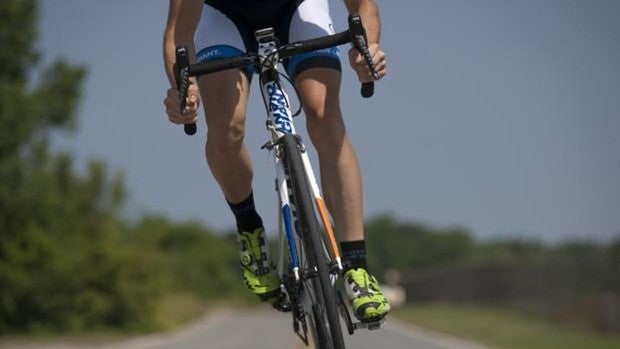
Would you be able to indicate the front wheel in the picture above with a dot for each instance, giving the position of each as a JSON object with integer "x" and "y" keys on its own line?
{"x": 324, "y": 308}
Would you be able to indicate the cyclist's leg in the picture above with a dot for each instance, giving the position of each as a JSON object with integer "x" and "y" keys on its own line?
{"x": 225, "y": 96}
{"x": 340, "y": 173}
{"x": 317, "y": 76}
{"x": 341, "y": 180}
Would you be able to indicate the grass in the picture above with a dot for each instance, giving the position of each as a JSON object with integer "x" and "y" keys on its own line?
{"x": 178, "y": 309}
{"x": 500, "y": 328}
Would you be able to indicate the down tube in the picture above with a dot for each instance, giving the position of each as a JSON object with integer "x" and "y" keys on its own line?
{"x": 287, "y": 217}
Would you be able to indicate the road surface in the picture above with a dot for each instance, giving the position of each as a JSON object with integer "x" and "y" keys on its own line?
{"x": 263, "y": 329}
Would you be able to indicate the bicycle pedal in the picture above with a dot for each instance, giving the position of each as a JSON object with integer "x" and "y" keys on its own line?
{"x": 284, "y": 307}
{"x": 370, "y": 325}
{"x": 282, "y": 304}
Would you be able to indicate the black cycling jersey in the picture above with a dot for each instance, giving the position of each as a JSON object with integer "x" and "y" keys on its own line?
{"x": 257, "y": 13}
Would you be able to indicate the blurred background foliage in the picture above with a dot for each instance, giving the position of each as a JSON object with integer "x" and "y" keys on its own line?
{"x": 575, "y": 282}
{"x": 70, "y": 262}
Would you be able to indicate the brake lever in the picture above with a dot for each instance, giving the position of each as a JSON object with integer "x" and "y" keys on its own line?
{"x": 181, "y": 74}
{"x": 359, "y": 40}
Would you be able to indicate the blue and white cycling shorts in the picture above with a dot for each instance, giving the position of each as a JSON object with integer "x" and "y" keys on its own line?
{"x": 227, "y": 27}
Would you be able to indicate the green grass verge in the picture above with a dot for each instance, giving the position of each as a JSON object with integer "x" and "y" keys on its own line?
{"x": 500, "y": 328}
{"x": 176, "y": 310}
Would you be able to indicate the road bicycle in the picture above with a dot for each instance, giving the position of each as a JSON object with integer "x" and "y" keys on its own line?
{"x": 309, "y": 259}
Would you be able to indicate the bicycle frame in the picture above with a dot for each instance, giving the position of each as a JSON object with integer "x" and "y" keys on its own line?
{"x": 280, "y": 122}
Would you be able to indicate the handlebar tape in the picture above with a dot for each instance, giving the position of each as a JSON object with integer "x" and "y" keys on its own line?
{"x": 181, "y": 74}
{"x": 360, "y": 42}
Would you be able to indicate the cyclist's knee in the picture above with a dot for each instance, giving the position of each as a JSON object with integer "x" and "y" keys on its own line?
{"x": 326, "y": 129}
{"x": 322, "y": 111}
{"x": 225, "y": 97}
{"x": 319, "y": 89}
{"x": 225, "y": 135}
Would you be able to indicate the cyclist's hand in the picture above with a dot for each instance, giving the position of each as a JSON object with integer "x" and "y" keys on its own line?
{"x": 358, "y": 63}
{"x": 171, "y": 102}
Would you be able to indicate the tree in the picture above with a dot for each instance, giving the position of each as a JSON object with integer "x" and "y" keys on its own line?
{"x": 60, "y": 262}
{"x": 68, "y": 261}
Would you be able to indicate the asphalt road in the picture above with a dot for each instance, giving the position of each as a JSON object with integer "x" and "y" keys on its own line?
{"x": 263, "y": 329}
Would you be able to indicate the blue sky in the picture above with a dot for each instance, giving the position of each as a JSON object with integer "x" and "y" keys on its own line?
{"x": 499, "y": 116}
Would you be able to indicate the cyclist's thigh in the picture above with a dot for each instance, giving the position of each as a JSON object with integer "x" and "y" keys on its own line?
{"x": 224, "y": 93}
{"x": 320, "y": 91}
{"x": 310, "y": 20}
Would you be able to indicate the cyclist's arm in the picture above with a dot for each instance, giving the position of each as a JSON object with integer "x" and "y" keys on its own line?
{"x": 184, "y": 29}
{"x": 169, "y": 43}
{"x": 180, "y": 32}
{"x": 368, "y": 10}
{"x": 183, "y": 17}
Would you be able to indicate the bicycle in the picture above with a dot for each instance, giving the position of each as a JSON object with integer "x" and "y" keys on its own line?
{"x": 314, "y": 262}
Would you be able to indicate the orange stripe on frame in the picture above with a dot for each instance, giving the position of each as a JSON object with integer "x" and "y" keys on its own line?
{"x": 320, "y": 204}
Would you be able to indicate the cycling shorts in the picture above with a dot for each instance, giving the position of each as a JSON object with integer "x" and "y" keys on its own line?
{"x": 227, "y": 27}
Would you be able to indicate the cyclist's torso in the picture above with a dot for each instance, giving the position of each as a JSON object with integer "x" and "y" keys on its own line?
{"x": 249, "y": 4}
{"x": 255, "y": 12}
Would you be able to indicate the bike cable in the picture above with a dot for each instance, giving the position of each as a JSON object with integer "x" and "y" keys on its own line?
{"x": 279, "y": 86}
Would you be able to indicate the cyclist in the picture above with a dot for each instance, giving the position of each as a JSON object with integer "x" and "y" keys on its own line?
{"x": 213, "y": 29}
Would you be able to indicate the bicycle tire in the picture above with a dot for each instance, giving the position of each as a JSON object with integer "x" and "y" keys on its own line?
{"x": 314, "y": 245}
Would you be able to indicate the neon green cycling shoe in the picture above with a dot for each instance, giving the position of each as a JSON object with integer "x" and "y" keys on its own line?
{"x": 259, "y": 273}
{"x": 365, "y": 295}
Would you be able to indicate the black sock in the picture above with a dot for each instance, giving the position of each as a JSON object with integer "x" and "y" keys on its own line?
{"x": 354, "y": 254}
{"x": 245, "y": 214}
